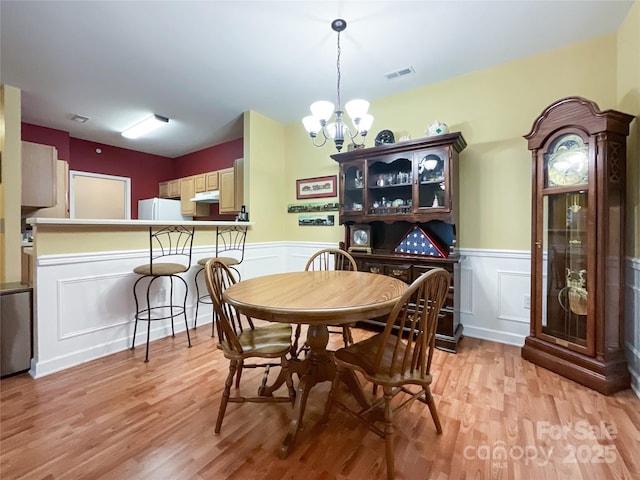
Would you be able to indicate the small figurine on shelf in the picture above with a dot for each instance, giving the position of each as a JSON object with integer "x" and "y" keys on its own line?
{"x": 435, "y": 201}
{"x": 436, "y": 128}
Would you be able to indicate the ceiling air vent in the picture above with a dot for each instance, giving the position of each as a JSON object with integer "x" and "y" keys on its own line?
{"x": 80, "y": 118}
{"x": 400, "y": 73}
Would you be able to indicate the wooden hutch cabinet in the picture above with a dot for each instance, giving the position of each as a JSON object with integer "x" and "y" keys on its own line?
{"x": 577, "y": 256}
{"x": 386, "y": 192}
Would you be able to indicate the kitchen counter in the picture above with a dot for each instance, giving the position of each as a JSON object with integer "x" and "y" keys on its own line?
{"x": 52, "y": 236}
{"x": 138, "y": 223}
{"x": 83, "y": 285}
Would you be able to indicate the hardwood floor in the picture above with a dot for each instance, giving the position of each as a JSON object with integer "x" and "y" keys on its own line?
{"x": 119, "y": 418}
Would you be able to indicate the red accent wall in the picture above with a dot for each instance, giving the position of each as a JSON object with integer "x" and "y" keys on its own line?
{"x": 144, "y": 170}
{"x": 209, "y": 159}
{"x": 47, "y": 136}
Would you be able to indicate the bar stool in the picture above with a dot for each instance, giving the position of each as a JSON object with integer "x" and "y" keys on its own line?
{"x": 169, "y": 256}
{"x": 230, "y": 243}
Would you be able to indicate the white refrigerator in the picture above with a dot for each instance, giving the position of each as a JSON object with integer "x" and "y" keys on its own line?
{"x": 160, "y": 209}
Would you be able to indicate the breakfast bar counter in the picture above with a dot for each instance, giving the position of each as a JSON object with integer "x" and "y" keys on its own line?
{"x": 82, "y": 285}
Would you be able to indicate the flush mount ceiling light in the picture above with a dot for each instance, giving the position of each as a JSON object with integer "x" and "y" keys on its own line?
{"x": 145, "y": 126}
{"x": 321, "y": 112}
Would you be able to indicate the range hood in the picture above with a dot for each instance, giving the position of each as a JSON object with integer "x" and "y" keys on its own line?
{"x": 207, "y": 197}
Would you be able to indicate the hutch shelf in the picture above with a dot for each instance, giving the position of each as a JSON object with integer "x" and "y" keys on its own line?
{"x": 389, "y": 190}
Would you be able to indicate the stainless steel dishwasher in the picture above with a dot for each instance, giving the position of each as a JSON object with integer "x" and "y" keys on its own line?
{"x": 15, "y": 328}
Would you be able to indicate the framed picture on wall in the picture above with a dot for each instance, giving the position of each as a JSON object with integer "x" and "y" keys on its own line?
{"x": 317, "y": 187}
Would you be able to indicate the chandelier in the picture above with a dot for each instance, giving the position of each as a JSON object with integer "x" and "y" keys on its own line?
{"x": 322, "y": 111}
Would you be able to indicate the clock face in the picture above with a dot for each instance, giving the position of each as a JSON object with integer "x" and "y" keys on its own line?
{"x": 360, "y": 237}
{"x": 568, "y": 162}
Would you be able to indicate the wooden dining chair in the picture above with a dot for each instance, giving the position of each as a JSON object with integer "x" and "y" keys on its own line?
{"x": 240, "y": 340}
{"x": 230, "y": 243}
{"x": 396, "y": 358}
{"x": 327, "y": 259}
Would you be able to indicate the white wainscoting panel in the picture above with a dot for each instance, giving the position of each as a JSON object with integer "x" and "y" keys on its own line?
{"x": 494, "y": 284}
{"x": 632, "y": 323}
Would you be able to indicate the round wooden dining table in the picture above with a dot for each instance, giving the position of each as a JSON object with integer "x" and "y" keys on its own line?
{"x": 317, "y": 299}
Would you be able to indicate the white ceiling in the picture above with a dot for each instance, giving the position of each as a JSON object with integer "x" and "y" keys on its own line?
{"x": 203, "y": 63}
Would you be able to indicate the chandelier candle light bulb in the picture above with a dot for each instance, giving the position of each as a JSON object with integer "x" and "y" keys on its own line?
{"x": 321, "y": 112}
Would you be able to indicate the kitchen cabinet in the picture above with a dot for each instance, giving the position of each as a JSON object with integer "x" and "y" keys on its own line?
{"x": 169, "y": 189}
{"x": 187, "y": 192}
{"x": 227, "y": 191}
{"x": 61, "y": 207}
{"x": 211, "y": 181}
{"x": 39, "y": 177}
{"x": 174, "y": 188}
{"x": 231, "y": 183}
{"x": 388, "y": 191}
{"x": 163, "y": 190}
{"x": 200, "y": 182}
{"x": 238, "y": 177}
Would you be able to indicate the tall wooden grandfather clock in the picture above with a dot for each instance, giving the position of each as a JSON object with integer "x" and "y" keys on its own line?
{"x": 577, "y": 256}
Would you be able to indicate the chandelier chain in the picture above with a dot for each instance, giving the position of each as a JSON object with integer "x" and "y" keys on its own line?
{"x": 338, "y": 68}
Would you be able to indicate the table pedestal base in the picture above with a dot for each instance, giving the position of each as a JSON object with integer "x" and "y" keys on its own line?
{"x": 316, "y": 368}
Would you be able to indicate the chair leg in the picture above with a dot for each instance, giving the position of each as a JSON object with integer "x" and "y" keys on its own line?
{"x": 225, "y": 394}
{"x": 135, "y": 324}
{"x": 239, "y": 374}
{"x": 346, "y": 336}
{"x": 173, "y": 333}
{"x": 388, "y": 432}
{"x": 432, "y": 408}
{"x": 146, "y": 355}
{"x": 184, "y": 309}
{"x": 195, "y": 278}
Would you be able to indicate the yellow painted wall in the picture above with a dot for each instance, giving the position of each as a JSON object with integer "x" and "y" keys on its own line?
{"x": 628, "y": 90}
{"x": 264, "y": 156}
{"x": 493, "y": 108}
{"x": 11, "y": 186}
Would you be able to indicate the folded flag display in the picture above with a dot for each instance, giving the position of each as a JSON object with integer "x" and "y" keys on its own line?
{"x": 418, "y": 242}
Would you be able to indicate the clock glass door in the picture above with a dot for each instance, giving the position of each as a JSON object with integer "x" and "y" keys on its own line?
{"x": 565, "y": 288}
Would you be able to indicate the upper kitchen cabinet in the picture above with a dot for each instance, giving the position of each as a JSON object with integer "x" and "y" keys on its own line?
{"x": 211, "y": 181}
{"x": 201, "y": 182}
{"x": 61, "y": 208}
{"x": 39, "y": 177}
{"x": 169, "y": 189}
{"x": 231, "y": 183}
{"x": 187, "y": 192}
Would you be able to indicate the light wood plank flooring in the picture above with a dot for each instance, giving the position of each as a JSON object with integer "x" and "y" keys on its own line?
{"x": 119, "y": 418}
